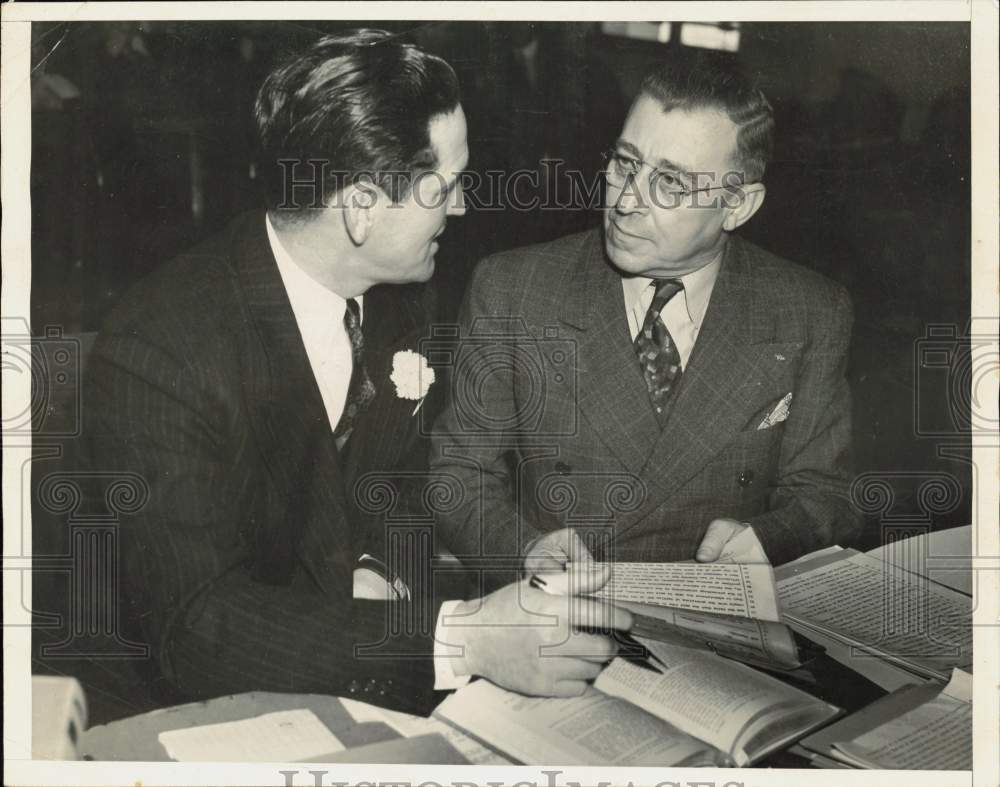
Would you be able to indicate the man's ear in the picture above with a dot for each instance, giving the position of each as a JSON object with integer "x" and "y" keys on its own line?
{"x": 742, "y": 203}
{"x": 363, "y": 203}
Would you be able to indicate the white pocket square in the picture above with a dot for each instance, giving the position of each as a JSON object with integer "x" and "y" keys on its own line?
{"x": 778, "y": 414}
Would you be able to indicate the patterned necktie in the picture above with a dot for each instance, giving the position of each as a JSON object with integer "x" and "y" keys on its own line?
{"x": 658, "y": 355}
{"x": 360, "y": 391}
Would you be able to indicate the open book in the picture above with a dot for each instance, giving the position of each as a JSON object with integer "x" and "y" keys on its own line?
{"x": 682, "y": 707}
{"x": 731, "y": 609}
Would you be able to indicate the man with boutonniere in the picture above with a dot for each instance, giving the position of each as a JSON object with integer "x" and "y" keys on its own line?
{"x": 256, "y": 381}
{"x": 673, "y": 391}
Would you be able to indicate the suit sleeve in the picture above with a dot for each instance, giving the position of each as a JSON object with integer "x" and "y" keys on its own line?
{"x": 809, "y": 506}
{"x": 214, "y": 626}
{"x": 473, "y": 440}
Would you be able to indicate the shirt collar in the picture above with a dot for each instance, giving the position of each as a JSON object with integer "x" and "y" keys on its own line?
{"x": 698, "y": 287}
{"x": 310, "y": 300}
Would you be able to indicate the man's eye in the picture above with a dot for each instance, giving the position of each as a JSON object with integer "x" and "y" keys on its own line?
{"x": 669, "y": 182}
{"x": 626, "y": 164}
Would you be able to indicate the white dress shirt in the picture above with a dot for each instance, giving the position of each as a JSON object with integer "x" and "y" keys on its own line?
{"x": 683, "y": 313}
{"x": 319, "y": 314}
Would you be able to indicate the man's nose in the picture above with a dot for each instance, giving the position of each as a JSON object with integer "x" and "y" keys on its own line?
{"x": 456, "y": 202}
{"x": 630, "y": 199}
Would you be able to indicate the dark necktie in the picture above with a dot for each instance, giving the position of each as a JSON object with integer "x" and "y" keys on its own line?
{"x": 658, "y": 355}
{"x": 360, "y": 391}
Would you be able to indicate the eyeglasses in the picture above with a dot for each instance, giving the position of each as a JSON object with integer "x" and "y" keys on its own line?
{"x": 666, "y": 186}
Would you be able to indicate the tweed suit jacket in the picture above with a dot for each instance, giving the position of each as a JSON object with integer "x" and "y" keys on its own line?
{"x": 239, "y": 568}
{"x": 549, "y": 423}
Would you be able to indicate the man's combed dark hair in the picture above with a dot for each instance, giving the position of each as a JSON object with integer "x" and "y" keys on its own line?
{"x": 358, "y": 104}
{"x": 712, "y": 80}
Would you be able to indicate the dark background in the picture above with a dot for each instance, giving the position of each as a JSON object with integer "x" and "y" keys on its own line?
{"x": 142, "y": 144}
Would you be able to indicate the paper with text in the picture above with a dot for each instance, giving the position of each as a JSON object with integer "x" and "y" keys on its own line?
{"x": 883, "y": 609}
{"x": 593, "y": 729}
{"x": 724, "y": 588}
{"x": 944, "y": 556}
{"x": 722, "y": 702}
{"x": 283, "y": 736}
{"x": 934, "y": 736}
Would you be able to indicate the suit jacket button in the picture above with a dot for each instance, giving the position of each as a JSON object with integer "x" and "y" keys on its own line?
{"x": 746, "y": 478}
{"x": 562, "y": 468}
{"x": 352, "y": 687}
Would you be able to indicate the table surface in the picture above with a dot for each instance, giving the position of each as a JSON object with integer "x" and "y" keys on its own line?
{"x": 136, "y": 738}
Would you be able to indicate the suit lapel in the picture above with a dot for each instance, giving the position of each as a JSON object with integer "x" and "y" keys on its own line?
{"x": 289, "y": 419}
{"x": 719, "y": 388}
{"x": 393, "y": 317}
{"x": 612, "y": 392}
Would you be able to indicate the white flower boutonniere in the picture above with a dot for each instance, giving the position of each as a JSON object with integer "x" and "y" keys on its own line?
{"x": 412, "y": 376}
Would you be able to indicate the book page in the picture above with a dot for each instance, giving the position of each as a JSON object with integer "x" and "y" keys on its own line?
{"x": 593, "y": 729}
{"x": 711, "y": 698}
{"x": 944, "y": 556}
{"x": 747, "y": 591}
{"x": 934, "y": 736}
{"x": 883, "y": 609}
{"x": 283, "y": 736}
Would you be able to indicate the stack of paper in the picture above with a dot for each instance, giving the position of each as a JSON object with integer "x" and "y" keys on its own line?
{"x": 879, "y": 614}
{"x": 918, "y": 727}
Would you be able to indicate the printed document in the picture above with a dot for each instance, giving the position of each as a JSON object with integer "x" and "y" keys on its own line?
{"x": 743, "y": 590}
{"x": 934, "y": 736}
{"x": 883, "y": 609}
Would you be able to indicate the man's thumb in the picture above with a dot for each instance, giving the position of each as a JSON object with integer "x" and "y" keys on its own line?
{"x": 588, "y": 577}
{"x": 715, "y": 539}
{"x": 576, "y": 550}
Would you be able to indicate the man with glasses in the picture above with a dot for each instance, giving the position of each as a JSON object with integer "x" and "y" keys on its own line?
{"x": 703, "y": 411}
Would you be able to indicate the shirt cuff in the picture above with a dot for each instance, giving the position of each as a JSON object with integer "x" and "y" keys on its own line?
{"x": 444, "y": 654}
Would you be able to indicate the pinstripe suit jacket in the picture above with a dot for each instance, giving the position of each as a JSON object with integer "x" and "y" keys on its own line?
{"x": 549, "y": 423}
{"x": 240, "y": 565}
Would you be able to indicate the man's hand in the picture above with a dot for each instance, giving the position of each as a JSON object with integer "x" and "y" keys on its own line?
{"x": 527, "y": 641}
{"x": 719, "y": 533}
{"x": 550, "y": 553}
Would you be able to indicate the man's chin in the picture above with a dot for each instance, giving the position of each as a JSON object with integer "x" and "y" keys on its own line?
{"x": 426, "y": 272}
{"x": 623, "y": 260}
